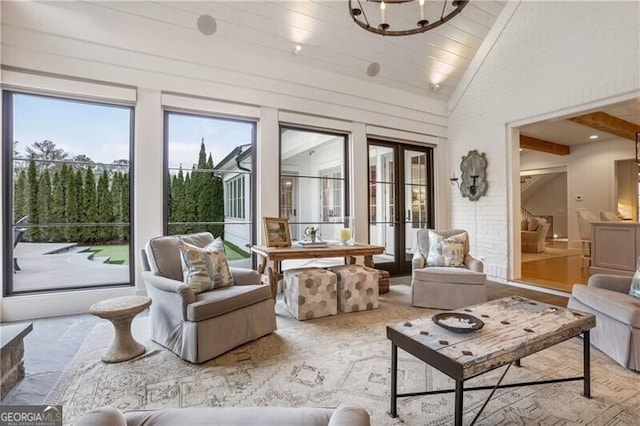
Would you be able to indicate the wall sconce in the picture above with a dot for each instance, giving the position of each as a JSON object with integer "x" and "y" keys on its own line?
{"x": 473, "y": 188}
{"x": 473, "y": 180}
{"x": 454, "y": 180}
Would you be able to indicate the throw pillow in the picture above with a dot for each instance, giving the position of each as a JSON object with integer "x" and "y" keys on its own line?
{"x": 196, "y": 268}
{"x": 205, "y": 268}
{"x": 635, "y": 282}
{"x": 219, "y": 262}
{"x": 533, "y": 224}
{"x": 524, "y": 225}
{"x": 446, "y": 251}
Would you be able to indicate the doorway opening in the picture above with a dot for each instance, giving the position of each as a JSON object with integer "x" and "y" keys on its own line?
{"x": 547, "y": 260}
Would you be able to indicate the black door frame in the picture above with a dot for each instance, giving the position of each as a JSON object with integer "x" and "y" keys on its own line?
{"x": 400, "y": 265}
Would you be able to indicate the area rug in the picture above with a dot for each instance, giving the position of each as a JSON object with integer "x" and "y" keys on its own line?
{"x": 344, "y": 359}
{"x": 550, "y": 253}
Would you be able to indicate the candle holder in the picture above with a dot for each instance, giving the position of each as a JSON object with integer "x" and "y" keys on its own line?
{"x": 345, "y": 228}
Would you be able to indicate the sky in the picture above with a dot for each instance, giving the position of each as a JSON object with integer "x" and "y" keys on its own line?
{"x": 102, "y": 132}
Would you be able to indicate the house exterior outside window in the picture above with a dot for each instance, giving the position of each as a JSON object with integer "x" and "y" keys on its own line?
{"x": 313, "y": 180}
{"x": 210, "y": 187}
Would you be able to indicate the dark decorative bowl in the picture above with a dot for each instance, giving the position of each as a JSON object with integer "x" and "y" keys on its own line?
{"x": 474, "y": 323}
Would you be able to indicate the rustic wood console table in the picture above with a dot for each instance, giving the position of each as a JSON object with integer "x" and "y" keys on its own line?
{"x": 270, "y": 257}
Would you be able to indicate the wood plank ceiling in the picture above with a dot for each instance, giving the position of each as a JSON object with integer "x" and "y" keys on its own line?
{"x": 331, "y": 41}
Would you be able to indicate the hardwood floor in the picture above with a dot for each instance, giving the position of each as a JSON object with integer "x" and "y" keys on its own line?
{"x": 497, "y": 291}
{"x": 559, "y": 273}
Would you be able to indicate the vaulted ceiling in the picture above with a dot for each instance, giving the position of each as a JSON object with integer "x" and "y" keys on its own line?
{"x": 332, "y": 42}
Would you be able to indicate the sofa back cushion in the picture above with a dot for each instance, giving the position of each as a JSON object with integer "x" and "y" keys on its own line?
{"x": 535, "y": 223}
{"x": 163, "y": 253}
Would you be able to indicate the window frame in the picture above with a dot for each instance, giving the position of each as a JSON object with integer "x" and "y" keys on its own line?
{"x": 166, "y": 113}
{"x": 8, "y": 289}
{"x": 346, "y": 196}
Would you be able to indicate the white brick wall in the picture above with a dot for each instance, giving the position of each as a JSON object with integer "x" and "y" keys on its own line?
{"x": 551, "y": 57}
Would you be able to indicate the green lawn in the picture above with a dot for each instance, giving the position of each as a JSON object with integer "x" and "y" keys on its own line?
{"x": 233, "y": 252}
{"x": 119, "y": 254}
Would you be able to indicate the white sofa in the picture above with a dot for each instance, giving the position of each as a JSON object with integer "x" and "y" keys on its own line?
{"x": 343, "y": 415}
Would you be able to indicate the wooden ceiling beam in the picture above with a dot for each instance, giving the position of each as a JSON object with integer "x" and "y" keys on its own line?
{"x": 608, "y": 123}
{"x": 544, "y": 146}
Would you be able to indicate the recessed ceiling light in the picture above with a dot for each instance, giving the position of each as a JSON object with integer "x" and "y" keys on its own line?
{"x": 592, "y": 137}
{"x": 297, "y": 49}
{"x": 435, "y": 87}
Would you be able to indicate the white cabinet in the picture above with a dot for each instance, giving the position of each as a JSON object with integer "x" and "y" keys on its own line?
{"x": 615, "y": 247}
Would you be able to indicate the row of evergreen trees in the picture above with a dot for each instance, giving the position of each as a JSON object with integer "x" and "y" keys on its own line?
{"x": 70, "y": 205}
{"x": 88, "y": 203}
{"x": 196, "y": 199}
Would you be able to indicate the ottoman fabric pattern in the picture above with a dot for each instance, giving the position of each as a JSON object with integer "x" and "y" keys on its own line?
{"x": 310, "y": 293}
{"x": 357, "y": 288}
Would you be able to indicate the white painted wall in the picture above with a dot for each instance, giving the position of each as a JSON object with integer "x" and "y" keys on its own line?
{"x": 551, "y": 58}
{"x": 85, "y": 42}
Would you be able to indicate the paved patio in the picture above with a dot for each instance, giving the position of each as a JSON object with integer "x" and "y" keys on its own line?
{"x": 45, "y": 266}
{"x": 59, "y": 266}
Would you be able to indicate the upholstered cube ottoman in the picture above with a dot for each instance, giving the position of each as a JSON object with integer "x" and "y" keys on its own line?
{"x": 357, "y": 288}
{"x": 310, "y": 293}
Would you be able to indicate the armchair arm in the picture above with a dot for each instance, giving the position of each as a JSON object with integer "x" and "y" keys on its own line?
{"x": 473, "y": 264}
{"x": 617, "y": 283}
{"x": 418, "y": 261}
{"x": 245, "y": 276}
{"x": 166, "y": 291}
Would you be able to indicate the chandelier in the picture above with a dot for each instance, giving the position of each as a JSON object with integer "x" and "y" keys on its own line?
{"x": 446, "y": 12}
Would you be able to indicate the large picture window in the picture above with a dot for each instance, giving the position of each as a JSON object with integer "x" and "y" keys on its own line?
{"x": 68, "y": 185}
{"x": 209, "y": 180}
{"x": 313, "y": 181}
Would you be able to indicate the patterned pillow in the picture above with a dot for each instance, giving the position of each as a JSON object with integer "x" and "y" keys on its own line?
{"x": 221, "y": 266}
{"x": 635, "y": 282}
{"x": 446, "y": 251}
{"x": 204, "y": 269}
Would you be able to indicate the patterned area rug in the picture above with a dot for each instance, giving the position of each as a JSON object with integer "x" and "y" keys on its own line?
{"x": 344, "y": 358}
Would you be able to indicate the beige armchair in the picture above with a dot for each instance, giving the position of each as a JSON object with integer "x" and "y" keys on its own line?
{"x": 532, "y": 239}
{"x": 617, "y": 331}
{"x": 446, "y": 287}
{"x": 198, "y": 327}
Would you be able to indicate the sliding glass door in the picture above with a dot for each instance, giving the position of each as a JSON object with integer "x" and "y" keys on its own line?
{"x": 400, "y": 200}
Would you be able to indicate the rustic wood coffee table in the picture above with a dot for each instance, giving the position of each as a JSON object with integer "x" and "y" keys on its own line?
{"x": 514, "y": 327}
